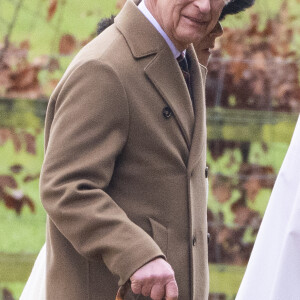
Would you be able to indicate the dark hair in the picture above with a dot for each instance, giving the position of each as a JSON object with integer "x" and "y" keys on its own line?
{"x": 235, "y": 6}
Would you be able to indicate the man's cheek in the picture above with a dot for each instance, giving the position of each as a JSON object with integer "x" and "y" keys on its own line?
{"x": 217, "y": 9}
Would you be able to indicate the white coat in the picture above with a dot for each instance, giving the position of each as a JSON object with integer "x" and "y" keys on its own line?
{"x": 273, "y": 271}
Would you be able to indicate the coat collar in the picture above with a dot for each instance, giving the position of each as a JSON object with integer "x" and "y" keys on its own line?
{"x": 165, "y": 74}
{"x": 198, "y": 80}
{"x": 142, "y": 38}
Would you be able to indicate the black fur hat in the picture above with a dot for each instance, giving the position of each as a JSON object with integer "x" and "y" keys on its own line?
{"x": 104, "y": 23}
{"x": 235, "y": 6}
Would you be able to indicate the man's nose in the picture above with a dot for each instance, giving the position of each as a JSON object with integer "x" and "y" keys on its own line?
{"x": 217, "y": 31}
{"x": 203, "y": 5}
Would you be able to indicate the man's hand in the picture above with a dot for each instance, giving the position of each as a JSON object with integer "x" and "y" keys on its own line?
{"x": 155, "y": 279}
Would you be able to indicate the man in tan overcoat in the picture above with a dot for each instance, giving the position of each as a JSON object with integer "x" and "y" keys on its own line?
{"x": 124, "y": 180}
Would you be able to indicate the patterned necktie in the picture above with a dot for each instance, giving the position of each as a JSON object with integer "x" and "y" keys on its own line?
{"x": 182, "y": 61}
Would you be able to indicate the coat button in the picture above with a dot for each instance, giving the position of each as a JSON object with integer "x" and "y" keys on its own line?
{"x": 206, "y": 172}
{"x": 167, "y": 112}
{"x": 194, "y": 241}
{"x": 208, "y": 238}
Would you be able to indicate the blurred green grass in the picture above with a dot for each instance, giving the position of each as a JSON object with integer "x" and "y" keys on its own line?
{"x": 225, "y": 279}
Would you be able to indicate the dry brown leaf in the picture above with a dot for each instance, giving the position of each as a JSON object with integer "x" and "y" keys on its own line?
{"x": 237, "y": 69}
{"x": 25, "y": 45}
{"x": 51, "y": 9}
{"x": 252, "y": 187}
{"x": 5, "y": 134}
{"x": 30, "y": 143}
{"x": 67, "y": 44}
{"x": 24, "y": 78}
{"x": 5, "y": 79}
{"x": 16, "y": 141}
{"x": 257, "y": 76}
{"x": 29, "y": 178}
{"x": 8, "y": 181}
{"x": 222, "y": 193}
{"x": 16, "y": 200}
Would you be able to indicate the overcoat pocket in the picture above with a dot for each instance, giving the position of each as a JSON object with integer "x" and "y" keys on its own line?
{"x": 160, "y": 235}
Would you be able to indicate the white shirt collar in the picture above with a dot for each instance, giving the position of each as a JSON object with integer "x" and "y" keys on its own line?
{"x": 142, "y": 7}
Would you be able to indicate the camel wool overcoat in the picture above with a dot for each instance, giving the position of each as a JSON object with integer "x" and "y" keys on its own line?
{"x": 123, "y": 179}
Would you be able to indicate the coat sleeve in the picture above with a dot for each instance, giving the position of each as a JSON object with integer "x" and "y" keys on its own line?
{"x": 86, "y": 129}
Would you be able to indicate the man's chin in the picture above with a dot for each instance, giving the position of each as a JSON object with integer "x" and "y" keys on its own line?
{"x": 190, "y": 36}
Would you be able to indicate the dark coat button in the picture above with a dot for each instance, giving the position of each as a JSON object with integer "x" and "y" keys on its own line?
{"x": 208, "y": 237}
{"x": 167, "y": 112}
{"x": 206, "y": 172}
{"x": 194, "y": 241}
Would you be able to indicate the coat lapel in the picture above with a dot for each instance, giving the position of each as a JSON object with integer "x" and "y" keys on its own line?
{"x": 199, "y": 134}
{"x": 166, "y": 76}
{"x": 162, "y": 70}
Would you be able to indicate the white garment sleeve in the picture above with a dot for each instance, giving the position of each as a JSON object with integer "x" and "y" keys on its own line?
{"x": 35, "y": 287}
{"x": 273, "y": 271}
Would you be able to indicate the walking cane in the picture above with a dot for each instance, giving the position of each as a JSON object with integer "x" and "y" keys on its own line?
{"x": 122, "y": 291}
